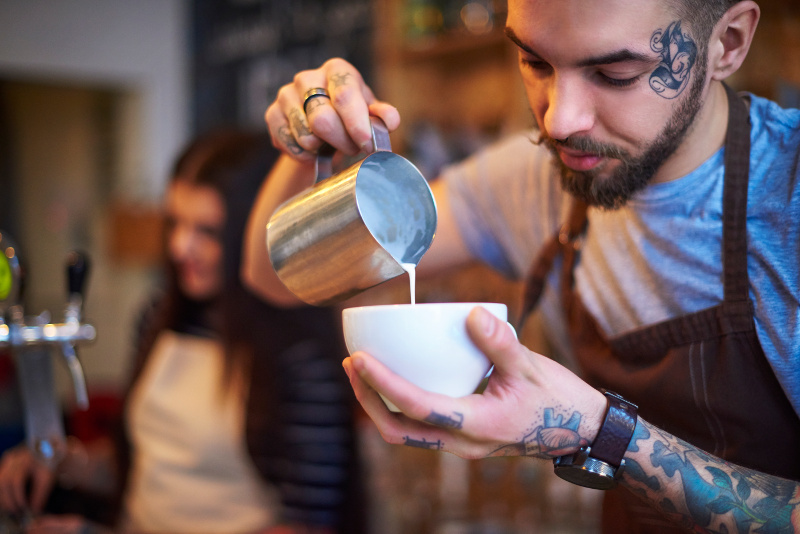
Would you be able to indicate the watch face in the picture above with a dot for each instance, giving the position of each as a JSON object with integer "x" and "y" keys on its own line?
{"x": 584, "y": 477}
{"x": 6, "y": 278}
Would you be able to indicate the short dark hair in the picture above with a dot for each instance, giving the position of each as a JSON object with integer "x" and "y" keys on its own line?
{"x": 701, "y": 16}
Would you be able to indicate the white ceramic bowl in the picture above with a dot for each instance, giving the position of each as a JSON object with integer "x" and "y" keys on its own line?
{"x": 427, "y": 344}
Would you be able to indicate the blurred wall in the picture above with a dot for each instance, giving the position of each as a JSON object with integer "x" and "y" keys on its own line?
{"x": 95, "y": 105}
{"x": 139, "y": 46}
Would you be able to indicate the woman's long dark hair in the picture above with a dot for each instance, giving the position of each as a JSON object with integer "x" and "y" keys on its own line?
{"x": 234, "y": 163}
{"x": 259, "y": 340}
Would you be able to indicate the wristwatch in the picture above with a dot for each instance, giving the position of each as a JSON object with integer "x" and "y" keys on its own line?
{"x": 600, "y": 465}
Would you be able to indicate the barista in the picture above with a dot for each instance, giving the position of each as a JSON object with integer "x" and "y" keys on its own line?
{"x": 666, "y": 239}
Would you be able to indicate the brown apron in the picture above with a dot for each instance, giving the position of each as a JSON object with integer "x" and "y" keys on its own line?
{"x": 702, "y": 377}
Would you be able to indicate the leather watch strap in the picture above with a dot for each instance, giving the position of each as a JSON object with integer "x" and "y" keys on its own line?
{"x": 616, "y": 431}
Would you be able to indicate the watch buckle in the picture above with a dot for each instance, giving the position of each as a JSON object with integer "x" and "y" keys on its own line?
{"x": 619, "y": 470}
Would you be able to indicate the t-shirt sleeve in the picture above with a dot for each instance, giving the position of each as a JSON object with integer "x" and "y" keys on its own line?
{"x": 505, "y": 202}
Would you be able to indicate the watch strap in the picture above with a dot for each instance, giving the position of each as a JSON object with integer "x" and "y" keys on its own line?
{"x": 616, "y": 431}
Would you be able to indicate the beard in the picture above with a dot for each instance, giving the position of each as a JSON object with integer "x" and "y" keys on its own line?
{"x": 634, "y": 172}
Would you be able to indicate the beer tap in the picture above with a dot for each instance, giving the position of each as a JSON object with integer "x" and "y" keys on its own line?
{"x": 32, "y": 340}
{"x": 77, "y": 269}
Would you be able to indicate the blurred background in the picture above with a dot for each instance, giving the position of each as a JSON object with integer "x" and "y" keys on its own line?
{"x": 98, "y": 96}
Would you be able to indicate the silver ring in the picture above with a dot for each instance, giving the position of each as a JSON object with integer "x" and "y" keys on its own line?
{"x": 313, "y": 93}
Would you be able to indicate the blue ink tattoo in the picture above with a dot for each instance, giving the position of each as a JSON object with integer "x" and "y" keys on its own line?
{"x": 726, "y": 493}
{"x": 632, "y": 468}
{"x": 554, "y": 438}
{"x": 446, "y": 421}
{"x": 678, "y": 55}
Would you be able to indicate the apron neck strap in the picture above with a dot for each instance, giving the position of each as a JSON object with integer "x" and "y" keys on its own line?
{"x": 734, "y": 232}
{"x": 734, "y": 199}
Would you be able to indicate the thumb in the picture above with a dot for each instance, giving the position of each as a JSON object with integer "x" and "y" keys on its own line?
{"x": 495, "y": 338}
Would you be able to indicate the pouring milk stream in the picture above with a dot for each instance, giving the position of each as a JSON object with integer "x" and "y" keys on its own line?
{"x": 411, "y": 269}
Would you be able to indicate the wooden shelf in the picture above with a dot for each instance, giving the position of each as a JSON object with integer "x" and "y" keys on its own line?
{"x": 443, "y": 47}
{"x": 454, "y": 81}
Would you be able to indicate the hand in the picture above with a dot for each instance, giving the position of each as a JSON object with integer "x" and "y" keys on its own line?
{"x": 341, "y": 120}
{"x": 64, "y": 524}
{"x": 532, "y": 406}
{"x": 17, "y": 467}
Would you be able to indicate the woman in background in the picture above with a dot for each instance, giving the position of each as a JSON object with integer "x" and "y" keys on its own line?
{"x": 238, "y": 418}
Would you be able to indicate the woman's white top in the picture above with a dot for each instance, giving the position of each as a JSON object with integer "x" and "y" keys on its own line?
{"x": 190, "y": 470}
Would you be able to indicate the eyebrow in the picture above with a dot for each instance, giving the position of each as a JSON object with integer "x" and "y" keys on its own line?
{"x": 617, "y": 56}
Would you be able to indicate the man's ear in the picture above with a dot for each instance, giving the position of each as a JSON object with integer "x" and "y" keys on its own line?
{"x": 731, "y": 38}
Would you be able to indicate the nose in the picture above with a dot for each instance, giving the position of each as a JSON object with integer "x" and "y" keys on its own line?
{"x": 568, "y": 108}
{"x": 180, "y": 242}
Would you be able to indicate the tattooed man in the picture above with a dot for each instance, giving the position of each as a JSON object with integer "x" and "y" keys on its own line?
{"x": 656, "y": 215}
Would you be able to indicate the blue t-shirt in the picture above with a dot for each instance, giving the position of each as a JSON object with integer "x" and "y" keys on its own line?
{"x": 659, "y": 256}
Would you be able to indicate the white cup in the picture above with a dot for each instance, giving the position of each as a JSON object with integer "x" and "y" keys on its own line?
{"x": 427, "y": 344}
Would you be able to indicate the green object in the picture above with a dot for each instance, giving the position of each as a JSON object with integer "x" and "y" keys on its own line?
{"x": 6, "y": 279}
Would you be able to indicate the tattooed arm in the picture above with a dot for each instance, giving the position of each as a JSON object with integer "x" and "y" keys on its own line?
{"x": 534, "y": 407}
{"x": 698, "y": 490}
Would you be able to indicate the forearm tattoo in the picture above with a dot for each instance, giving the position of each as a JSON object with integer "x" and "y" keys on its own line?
{"x": 554, "y": 437}
{"x": 717, "y": 496}
{"x": 678, "y": 55}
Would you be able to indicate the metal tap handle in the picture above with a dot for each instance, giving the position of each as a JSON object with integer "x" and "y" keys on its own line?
{"x": 380, "y": 141}
{"x": 78, "y": 378}
{"x": 77, "y": 271}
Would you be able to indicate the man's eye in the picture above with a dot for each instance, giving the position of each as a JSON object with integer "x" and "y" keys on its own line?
{"x": 535, "y": 64}
{"x": 616, "y": 82}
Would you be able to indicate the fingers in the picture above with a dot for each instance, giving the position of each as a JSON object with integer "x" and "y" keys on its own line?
{"x": 428, "y": 421}
{"x": 63, "y": 524}
{"x": 387, "y": 112}
{"x": 13, "y": 474}
{"x": 17, "y": 467}
{"x": 341, "y": 119}
{"x": 526, "y": 392}
{"x": 42, "y": 483}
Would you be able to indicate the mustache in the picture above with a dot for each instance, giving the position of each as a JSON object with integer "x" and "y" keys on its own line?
{"x": 582, "y": 144}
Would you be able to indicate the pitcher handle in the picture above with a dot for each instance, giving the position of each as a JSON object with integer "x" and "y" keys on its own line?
{"x": 380, "y": 142}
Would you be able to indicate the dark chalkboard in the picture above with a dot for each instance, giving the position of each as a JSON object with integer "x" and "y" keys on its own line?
{"x": 244, "y": 50}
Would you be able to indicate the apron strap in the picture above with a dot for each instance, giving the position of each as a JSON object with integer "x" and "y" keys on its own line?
{"x": 566, "y": 237}
{"x": 734, "y": 199}
{"x": 734, "y": 236}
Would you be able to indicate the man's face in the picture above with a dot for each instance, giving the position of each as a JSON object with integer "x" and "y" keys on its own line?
{"x": 614, "y": 86}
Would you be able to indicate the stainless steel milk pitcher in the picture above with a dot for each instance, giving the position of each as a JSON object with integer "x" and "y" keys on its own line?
{"x": 352, "y": 230}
